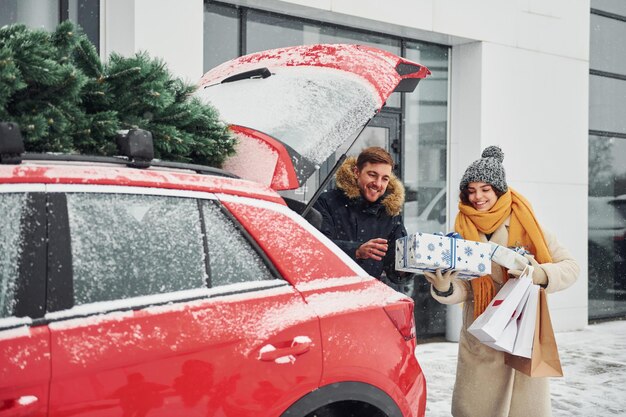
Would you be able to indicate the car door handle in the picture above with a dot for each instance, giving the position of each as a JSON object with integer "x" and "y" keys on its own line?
{"x": 298, "y": 346}
{"x": 18, "y": 407}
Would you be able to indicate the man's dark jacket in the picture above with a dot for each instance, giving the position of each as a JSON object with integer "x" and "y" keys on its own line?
{"x": 349, "y": 220}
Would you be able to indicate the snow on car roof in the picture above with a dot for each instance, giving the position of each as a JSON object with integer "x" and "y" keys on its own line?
{"x": 100, "y": 174}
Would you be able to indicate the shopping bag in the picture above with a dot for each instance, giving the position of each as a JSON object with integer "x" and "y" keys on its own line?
{"x": 544, "y": 360}
{"x": 491, "y": 323}
{"x": 506, "y": 341}
{"x": 526, "y": 324}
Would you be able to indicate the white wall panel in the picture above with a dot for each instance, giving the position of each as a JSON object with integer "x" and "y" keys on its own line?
{"x": 172, "y": 30}
{"x": 558, "y": 27}
{"x": 412, "y": 13}
{"x": 537, "y": 105}
{"x": 166, "y": 29}
{"x": 118, "y": 23}
{"x": 493, "y": 20}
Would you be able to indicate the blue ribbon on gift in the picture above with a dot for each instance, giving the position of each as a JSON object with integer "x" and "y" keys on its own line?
{"x": 405, "y": 254}
{"x": 452, "y": 236}
{"x": 519, "y": 249}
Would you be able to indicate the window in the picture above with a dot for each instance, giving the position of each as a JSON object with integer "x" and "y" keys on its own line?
{"x": 127, "y": 246}
{"x": 268, "y": 31}
{"x": 221, "y": 35}
{"x": 33, "y": 13}
{"x": 607, "y": 160}
{"x": 605, "y": 115}
{"x": 231, "y": 258}
{"x": 426, "y": 138}
{"x": 12, "y": 207}
{"x": 47, "y": 14}
{"x": 85, "y": 13}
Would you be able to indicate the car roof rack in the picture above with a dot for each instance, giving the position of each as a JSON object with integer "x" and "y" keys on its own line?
{"x": 135, "y": 146}
{"x": 11, "y": 143}
{"x": 122, "y": 160}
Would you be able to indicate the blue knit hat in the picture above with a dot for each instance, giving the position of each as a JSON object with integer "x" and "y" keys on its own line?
{"x": 487, "y": 169}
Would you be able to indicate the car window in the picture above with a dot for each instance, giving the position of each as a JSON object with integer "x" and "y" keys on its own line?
{"x": 11, "y": 206}
{"x": 132, "y": 245}
{"x": 231, "y": 258}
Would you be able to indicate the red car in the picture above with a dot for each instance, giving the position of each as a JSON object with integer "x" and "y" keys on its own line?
{"x": 134, "y": 287}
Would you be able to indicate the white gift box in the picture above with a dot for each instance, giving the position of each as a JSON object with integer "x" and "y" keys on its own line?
{"x": 508, "y": 258}
{"x": 420, "y": 252}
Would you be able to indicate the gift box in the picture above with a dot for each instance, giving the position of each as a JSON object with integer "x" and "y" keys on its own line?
{"x": 420, "y": 252}
{"x": 510, "y": 258}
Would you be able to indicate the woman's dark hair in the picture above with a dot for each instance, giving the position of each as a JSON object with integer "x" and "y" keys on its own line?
{"x": 464, "y": 194}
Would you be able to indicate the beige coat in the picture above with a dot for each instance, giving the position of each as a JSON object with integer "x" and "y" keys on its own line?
{"x": 485, "y": 386}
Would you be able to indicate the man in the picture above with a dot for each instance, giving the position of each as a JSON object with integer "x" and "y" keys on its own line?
{"x": 362, "y": 216}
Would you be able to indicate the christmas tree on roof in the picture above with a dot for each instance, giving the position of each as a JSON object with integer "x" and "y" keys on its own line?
{"x": 65, "y": 99}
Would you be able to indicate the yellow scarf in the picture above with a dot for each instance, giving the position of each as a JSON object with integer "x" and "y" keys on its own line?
{"x": 523, "y": 231}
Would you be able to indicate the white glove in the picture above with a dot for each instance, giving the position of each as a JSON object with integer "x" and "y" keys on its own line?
{"x": 539, "y": 275}
{"x": 441, "y": 282}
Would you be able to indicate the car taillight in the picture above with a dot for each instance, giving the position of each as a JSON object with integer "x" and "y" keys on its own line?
{"x": 401, "y": 315}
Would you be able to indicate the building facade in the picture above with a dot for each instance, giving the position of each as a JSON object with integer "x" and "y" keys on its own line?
{"x": 543, "y": 79}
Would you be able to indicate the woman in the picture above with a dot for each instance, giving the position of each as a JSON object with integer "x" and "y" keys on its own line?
{"x": 490, "y": 211}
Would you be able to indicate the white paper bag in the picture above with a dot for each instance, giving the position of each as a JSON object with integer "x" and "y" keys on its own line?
{"x": 508, "y": 338}
{"x": 526, "y": 324}
{"x": 491, "y": 323}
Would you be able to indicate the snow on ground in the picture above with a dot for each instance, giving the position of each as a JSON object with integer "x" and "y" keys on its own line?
{"x": 594, "y": 367}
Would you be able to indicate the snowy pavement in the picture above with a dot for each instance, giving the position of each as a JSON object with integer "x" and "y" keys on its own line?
{"x": 594, "y": 368}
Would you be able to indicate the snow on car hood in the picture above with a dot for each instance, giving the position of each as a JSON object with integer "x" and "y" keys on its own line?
{"x": 291, "y": 108}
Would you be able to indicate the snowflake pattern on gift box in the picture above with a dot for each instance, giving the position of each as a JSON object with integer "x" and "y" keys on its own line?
{"x": 468, "y": 251}
{"x": 431, "y": 247}
{"x": 481, "y": 267}
{"x": 446, "y": 256}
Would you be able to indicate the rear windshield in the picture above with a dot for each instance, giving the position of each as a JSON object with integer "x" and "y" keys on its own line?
{"x": 313, "y": 110}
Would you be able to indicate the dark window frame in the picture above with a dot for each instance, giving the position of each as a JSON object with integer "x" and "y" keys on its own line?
{"x": 30, "y": 293}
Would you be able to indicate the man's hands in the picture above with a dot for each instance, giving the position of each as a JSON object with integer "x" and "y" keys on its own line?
{"x": 440, "y": 281}
{"x": 539, "y": 275}
{"x": 374, "y": 249}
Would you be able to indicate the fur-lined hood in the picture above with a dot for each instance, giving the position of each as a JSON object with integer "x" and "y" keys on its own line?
{"x": 393, "y": 198}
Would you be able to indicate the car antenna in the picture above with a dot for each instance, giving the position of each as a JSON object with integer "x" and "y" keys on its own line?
{"x": 324, "y": 183}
